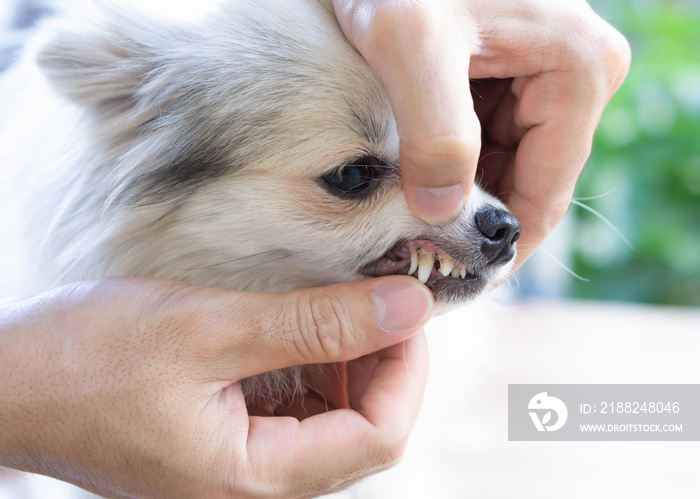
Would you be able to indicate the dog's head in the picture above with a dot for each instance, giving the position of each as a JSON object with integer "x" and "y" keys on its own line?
{"x": 254, "y": 150}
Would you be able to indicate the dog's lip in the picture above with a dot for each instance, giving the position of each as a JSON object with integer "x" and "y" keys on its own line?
{"x": 398, "y": 261}
{"x": 446, "y": 289}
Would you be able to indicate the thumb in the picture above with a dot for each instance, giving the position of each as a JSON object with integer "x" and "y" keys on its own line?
{"x": 330, "y": 324}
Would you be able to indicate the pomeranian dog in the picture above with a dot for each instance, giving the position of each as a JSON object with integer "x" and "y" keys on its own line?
{"x": 253, "y": 149}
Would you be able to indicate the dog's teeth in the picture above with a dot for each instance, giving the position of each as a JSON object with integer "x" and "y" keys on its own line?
{"x": 455, "y": 271}
{"x": 426, "y": 262}
{"x": 446, "y": 265}
{"x": 462, "y": 271}
{"x": 414, "y": 262}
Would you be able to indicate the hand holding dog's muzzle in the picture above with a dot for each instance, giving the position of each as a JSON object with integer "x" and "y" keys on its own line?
{"x": 131, "y": 387}
{"x": 540, "y": 74}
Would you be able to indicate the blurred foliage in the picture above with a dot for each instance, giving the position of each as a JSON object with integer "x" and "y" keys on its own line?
{"x": 647, "y": 159}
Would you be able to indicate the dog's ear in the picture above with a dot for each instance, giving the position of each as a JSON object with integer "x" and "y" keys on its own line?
{"x": 95, "y": 63}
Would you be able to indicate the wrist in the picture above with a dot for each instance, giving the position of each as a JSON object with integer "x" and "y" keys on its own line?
{"x": 12, "y": 329}
{"x": 22, "y": 369}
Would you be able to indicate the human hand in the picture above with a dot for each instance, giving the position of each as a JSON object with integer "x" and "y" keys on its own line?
{"x": 556, "y": 65}
{"x": 131, "y": 387}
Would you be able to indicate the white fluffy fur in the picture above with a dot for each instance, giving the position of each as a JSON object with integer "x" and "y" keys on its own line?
{"x": 266, "y": 95}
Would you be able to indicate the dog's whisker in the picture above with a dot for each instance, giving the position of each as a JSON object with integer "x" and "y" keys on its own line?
{"x": 481, "y": 178}
{"x": 562, "y": 265}
{"x": 513, "y": 280}
{"x": 492, "y": 153}
{"x": 599, "y": 196}
{"x": 514, "y": 283}
{"x": 605, "y": 221}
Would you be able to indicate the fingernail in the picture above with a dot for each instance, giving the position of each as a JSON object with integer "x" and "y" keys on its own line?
{"x": 439, "y": 205}
{"x": 401, "y": 304}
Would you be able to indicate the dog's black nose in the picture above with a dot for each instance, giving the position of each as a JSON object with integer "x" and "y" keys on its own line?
{"x": 501, "y": 230}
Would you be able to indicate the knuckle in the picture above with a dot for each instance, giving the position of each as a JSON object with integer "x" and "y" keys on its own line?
{"x": 390, "y": 444}
{"x": 377, "y": 458}
{"x": 565, "y": 45}
{"x": 606, "y": 47}
{"x": 447, "y": 145}
{"x": 558, "y": 210}
{"x": 447, "y": 153}
{"x": 389, "y": 18}
{"x": 618, "y": 51}
{"x": 393, "y": 456}
{"x": 386, "y": 456}
{"x": 324, "y": 327}
{"x": 588, "y": 48}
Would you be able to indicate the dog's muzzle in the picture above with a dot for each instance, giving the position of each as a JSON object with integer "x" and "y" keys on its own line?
{"x": 454, "y": 274}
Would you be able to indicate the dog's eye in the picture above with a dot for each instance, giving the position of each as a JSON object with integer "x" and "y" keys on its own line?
{"x": 355, "y": 178}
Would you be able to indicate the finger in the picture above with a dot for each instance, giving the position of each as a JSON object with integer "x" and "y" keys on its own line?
{"x": 337, "y": 447}
{"x": 561, "y": 90}
{"x": 322, "y": 325}
{"x": 561, "y": 120}
{"x": 421, "y": 55}
{"x": 397, "y": 370}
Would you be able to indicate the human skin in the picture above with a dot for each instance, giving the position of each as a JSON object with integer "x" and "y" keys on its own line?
{"x": 131, "y": 387}
{"x": 547, "y": 69}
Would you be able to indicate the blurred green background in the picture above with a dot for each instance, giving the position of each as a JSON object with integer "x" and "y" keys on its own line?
{"x": 646, "y": 164}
